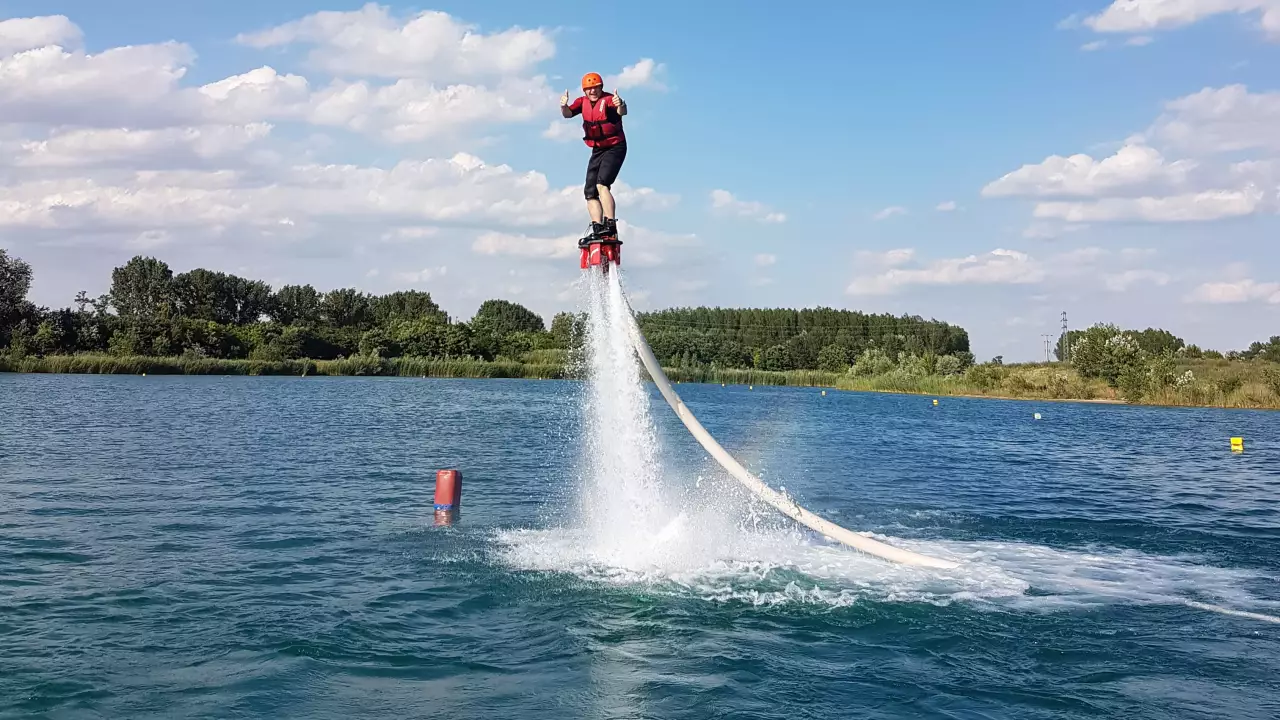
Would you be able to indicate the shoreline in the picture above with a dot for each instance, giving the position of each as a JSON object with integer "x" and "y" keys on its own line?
{"x": 935, "y": 386}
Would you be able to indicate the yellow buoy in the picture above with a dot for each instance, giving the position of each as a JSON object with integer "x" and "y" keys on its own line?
{"x": 1037, "y": 416}
{"x": 1237, "y": 444}
{"x": 824, "y": 393}
{"x": 935, "y": 402}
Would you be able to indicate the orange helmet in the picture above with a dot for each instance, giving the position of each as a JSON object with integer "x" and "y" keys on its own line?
{"x": 591, "y": 80}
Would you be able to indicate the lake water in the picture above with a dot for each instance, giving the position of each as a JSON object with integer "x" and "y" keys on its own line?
{"x": 207, "y": 547}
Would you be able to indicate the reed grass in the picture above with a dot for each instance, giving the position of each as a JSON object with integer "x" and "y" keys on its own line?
{"x": 1217, "y": 384}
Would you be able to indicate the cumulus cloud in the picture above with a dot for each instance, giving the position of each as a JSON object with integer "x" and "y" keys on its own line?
{"x": 1138, "y": 183}
{"x": 1217, "y": 120}
{"x": 888, "y": 258}
{"x": 1192, "y": 207}
{"x": 20, "y": 34}
{"x": 1000, "y": 266}
{"x": 643, "y": 247}
{"x": 644, "y": 73}
{"x": 1132, "y": 167}
{"x": 153, "y": 149}
{"x": 562, "y": 131}
{"x": 724, "y": 201}
{"x": 1239, "y": 291}
{"x": 1131, "y": 16}
{"x": 1120, "y": 282}
{"x": 134, "y": 86}
{"x": 428, "y": 45}
{"x": 889, "y": 212}
{"x": 885, "y": 273}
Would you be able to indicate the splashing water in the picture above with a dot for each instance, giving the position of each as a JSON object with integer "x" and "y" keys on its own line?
{"x": 622, "y": 503}
{"x": 636, "y": 525}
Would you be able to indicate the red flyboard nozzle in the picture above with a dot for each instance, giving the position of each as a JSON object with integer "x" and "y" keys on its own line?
{"x": 601, "y": 254}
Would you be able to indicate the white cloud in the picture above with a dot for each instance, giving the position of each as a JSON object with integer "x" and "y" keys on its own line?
{"x": 1225, "y": 119}
{"x": 563, "y": 131}
{"x": 1240, "y": 291}
{"x": 889, "y": 212}
{"x": 642, "y": 247}
{"x": 1139, "y": 40}
{"x": 1193, "y": 207}
{"x": 418, "y": 277}
{"x": 20, "y": 34}
{"x": 1134, "y": 166}
{"x": 724, "y": 201}
{"x": 999, "y": 266}
{"x": 428, "y": 45}
{"x": 1120, "y": 282}
{"x": 1050, "y": 231}
{"x": 888, "y": 258}
{"x": 133, "y": 86}
{"x": 947, "y": 206}
{"x": 1129, "y": 16}
{"x": 642, "y": 74}
{"x": 883, "y": 273}
{"x": 1093, "y": 46}
{"x": 161, "y": 148}
{"x": 521, "y": 245}
{"x": 461, "y": 189}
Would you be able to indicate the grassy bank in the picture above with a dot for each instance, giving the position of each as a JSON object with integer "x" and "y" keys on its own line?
{"x": 1212, "y": 383}
{"x": 394, "y": 367}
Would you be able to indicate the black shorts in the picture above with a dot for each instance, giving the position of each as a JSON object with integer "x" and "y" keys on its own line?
{"x": 603, "y": 167}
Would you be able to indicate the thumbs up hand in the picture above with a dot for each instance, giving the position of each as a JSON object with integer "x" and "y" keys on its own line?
{"x": 564, "y": 99}
{"x": 617, "y": 99}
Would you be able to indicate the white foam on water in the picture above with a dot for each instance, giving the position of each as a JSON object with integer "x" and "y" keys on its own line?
{"x": 639, "y": 523}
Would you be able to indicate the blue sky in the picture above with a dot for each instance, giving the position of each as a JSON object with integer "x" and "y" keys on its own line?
{"x": 855, "y": 122}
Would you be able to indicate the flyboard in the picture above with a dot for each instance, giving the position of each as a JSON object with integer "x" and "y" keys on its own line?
{"x": 602, "y": 254}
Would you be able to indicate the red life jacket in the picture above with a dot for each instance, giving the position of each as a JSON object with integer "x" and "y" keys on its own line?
{"x": 599, "y": 131}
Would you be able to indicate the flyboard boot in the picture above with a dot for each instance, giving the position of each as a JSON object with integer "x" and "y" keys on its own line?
{"x": 601, "y": 246}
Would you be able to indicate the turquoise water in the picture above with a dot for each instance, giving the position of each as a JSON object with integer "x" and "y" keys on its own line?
{"x": 175, "y": 547}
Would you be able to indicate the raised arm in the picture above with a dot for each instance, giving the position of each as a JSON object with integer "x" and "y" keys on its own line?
{"x": 568, "y": 109}
{"x": 618, "y": 103}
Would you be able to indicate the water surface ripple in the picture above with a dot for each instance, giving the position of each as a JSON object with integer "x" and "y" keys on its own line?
{"x": 207, "y": 547}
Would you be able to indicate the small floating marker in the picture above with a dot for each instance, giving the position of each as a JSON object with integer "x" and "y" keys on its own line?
{"x": 448, "y": 499}
{"x": 1037, "y": 416}
{"x": 1237, "y": 445}
{"x": 144, "y": 374}
{"x": 824, "y": 393}
{"x": 751, "y": 387}
{"x": 935, "y": 402}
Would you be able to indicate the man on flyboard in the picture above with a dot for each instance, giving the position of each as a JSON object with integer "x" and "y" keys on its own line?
{"x": 602, "y": 132}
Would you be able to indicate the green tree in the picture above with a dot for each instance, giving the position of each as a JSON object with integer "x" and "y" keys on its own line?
{"x": 503, "y": 317}
{"x": 142, "y": 290}
{"x": 407, "y": 305}
{"x": 296, "y": 304}
{"x": 1104, "y": 351}
{"x": 15, "y": 283}
{"x": 346, "y": 308}
{"x": 777, "y": 357}
{"x": 833, "y": 358}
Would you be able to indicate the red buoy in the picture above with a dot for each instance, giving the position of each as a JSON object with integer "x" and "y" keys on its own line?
{"x": 448, "y": 490}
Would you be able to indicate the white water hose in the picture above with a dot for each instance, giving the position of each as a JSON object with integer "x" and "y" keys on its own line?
{"x": 782, "y": 502}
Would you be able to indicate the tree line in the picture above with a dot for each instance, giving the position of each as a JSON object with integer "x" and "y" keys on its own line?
{"x": 151, "y": 311}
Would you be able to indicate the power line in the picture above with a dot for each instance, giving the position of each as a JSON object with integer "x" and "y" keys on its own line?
{"x": 1046, "y": 337}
